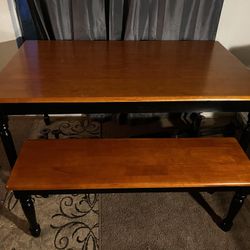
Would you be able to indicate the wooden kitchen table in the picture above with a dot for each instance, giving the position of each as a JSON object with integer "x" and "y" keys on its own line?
{"x": 120, "y": 76}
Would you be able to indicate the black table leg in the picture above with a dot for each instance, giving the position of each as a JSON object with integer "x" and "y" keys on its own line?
{"x": 7, "y": 140}
{"x": 29, "y": 211}
{"x": 234, "y": 208}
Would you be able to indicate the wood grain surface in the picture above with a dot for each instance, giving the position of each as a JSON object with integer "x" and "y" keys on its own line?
{"x": 123, "y": 71}
{"x": 130, "y": 163}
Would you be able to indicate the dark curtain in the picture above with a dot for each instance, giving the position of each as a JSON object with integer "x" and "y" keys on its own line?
{"x": 122, "y": 19}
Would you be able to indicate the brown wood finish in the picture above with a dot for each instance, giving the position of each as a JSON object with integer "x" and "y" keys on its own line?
{"x": 130, "y": 163}
{"x": 123, "y": 71}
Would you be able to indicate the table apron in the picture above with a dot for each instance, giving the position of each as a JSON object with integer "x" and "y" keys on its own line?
{"x": 246, "y": 189}
{"x": 126, "y": 107}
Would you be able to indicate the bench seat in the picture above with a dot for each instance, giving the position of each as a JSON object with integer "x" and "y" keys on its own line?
{"x": 75, "y": 165}
{"x": 72, "y": 164}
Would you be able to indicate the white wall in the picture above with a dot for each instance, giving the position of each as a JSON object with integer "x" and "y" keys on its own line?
{"x": 234, "y": 28}
{"x": 7, "y": 31}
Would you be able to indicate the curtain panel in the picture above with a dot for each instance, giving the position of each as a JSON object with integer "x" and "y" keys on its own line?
{"x": 120, "y": 19}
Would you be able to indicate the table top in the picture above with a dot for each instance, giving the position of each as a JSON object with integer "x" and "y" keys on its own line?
{"x": 123, "y": 71}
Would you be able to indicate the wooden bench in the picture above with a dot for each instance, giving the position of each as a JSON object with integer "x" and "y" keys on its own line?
{"x": 109, "y": 165}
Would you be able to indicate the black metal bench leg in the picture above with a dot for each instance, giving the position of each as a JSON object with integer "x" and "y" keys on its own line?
{"x": 235, "y": 206}
{"x": 29, "y": 211}
{"x": 7, "y": 140}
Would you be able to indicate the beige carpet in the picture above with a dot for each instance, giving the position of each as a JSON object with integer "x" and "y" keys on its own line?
{"x": 169, "y": 221}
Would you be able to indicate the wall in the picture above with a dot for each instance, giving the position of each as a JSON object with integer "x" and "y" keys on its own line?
{"x": 234, "y": 28}
{"x": 9, "y": 30}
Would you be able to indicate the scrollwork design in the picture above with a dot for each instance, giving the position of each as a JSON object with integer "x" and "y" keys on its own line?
{"x": 77, "y": 129}
{"x": 71, "y": 216}
{"x": 44, "y": 133}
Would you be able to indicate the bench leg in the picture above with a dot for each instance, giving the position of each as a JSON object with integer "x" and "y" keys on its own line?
{"x": 29, "y": 211}
{"x": 234, "y": 208}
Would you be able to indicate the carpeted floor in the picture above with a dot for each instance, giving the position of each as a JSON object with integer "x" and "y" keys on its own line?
{"x": 169, "y": 221}
{"x": 140, "y": 221}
